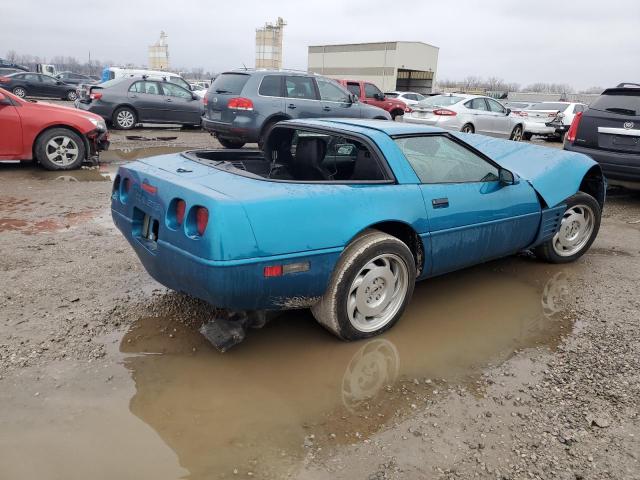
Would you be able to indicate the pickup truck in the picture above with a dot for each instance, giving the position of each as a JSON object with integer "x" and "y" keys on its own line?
{"x": 344, "y": 215}
{"x": 368, "y": 93}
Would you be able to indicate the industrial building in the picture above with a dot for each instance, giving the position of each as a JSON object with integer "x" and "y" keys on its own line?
{"x": 389, "y": 65}
{"x": 269, "y": 45}
{"x": 159, "y": 54}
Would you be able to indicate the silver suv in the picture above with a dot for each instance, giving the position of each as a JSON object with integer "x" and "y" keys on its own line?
{"x": 243, "y": 105}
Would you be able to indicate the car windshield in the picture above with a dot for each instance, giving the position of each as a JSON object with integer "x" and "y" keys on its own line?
{"x": 230, "y": 83}
{"x": 440, "y": 101}
{"x": 549, "y": 106}
{"x": 623, "y": 103}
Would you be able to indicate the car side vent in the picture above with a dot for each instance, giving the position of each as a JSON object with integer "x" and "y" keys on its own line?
{"x": 239, "y": 165}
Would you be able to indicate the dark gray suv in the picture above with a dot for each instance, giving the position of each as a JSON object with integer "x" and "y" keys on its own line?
{"x": 243, "y": 105}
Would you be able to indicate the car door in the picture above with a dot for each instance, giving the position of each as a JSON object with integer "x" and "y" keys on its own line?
{"x": 373, "y": 95}
{"x": 335, "y": 100}
{"x": 180, "y": 106}
{"x": 11, "y": 128}
{"x": 51, "y": 88}
{"x": 303, "y": 100}
{"x": 33, "y": 85}
{"x": 480, "y": 116}
{"x": 146, "y": 97}
{"x": 501, "y": 123}
{"x": 472, "y": 216}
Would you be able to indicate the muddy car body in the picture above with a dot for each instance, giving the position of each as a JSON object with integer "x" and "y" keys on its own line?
{"x": 344, "y": 215}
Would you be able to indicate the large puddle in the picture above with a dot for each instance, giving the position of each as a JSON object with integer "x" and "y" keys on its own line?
{"x": 173, "y": 407}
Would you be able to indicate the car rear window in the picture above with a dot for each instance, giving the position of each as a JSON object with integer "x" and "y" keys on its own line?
{"x": 549, "y": 106}
{"x": 391, "y": 95}
{"x": 271, "y": 86}
{"x": 231, "y": 83}
{"x": 623, "y": 103}
{"x": 440, "y": 101}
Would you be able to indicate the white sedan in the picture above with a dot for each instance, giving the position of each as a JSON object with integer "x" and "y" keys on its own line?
{"x": 409, "y": 98}
{"x": 549, "y": 119}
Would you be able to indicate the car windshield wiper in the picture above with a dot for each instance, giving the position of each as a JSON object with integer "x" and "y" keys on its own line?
{"x": 623, "y": 111}
{"x": 222, "y": 91}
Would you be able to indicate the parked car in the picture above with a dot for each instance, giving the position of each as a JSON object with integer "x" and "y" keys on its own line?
{"x": 242, "y": 106}
{"x": 549, "y": 119}
{"x": 368, "y": 93}
{"x": 252, "y": 230}
{"x": 111, "y": 73}
{"x": 4, "y": 71}
{"x": 408, "y": 98}
{"x": 467, "y": 113}
{"x": 59, "y": 138}
{"x": 27, "y": 84}
{"x": 126, "y": 102}
{"x": 74, "y": 78}
{"x": 609, "y": 132}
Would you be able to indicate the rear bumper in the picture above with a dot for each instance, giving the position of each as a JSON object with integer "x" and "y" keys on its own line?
{"x": 619, "y": 168}
{"x": 560, "y": 128}
{"x": 233, "y": 284}
{"x": 244, "y": 130}
{"x": 103, "y": 110}
{"x": 539, "y": 128}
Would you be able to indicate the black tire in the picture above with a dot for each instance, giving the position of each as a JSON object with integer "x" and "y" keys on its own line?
{"x": 527, "y": 136}
{"x": 72, "y": 96}
{"x": 549, "y": 250}
{"x": 227, "y": 143}
{"x": 468, "y": 128}
{"x": 124, "y": 118}
{"x": 517, "y": 134}
{"x": 44, "y": 150}
{"x": 332, "y": 309}
{"x": 19, "y": 92}
{"x": 396, "y": 113}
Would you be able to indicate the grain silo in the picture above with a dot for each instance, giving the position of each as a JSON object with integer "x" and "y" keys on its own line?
{"x": 269, "y": 45}
{"x": 159, "y": 54}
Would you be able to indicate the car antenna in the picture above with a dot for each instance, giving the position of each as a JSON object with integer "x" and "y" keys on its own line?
{"x": 245, "y": 67}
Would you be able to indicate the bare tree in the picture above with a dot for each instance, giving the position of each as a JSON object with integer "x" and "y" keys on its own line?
{"x": 12, "y": 56}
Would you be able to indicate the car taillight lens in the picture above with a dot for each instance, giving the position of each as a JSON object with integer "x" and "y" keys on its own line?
{"x": 202, "y": 218}
{"x": 444, "y": 111}
{"x": 573, "y": 129}
{"x": 407, "y": 109}
{"x": 95, "y": 96}
{"x": 181, "y": 206}
{"x": 240, "y": 103}
{"x": 4, "y": 80}
{"x": 205, "y": 100}
{"x": 273, "y": 271}
{"x": 523, "y": 114}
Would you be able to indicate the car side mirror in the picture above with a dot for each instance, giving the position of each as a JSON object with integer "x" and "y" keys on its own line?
{"x": 379, "y": 96}
{"x": 194, "y": 97}
{"x": 508, "y": 112}
{"x": 508, "y": 178}
{"x": 58, "y": 82}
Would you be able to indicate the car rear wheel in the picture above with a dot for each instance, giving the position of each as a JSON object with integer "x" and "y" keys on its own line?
{"x": 527, "y": 136}
{"x": 369, "y": 288}
{"x": 226, "y": 143}
{"x": 19, "y": 92}
{"x": 60, "y": 149}
{"x": 396, "y": 113}
{"x": 578, "y": 229}
{"x": 468, "y": 128}
{"x": 516, "y": 135}
{"x": 72, "y": 95}
{"x": 124, "y": 118}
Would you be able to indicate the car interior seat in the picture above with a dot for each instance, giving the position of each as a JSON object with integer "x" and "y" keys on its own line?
{"x": 307, "y": 164}
{"x": 366, "y": 167}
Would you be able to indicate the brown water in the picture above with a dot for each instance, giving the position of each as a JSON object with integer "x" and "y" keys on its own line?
{"x": 170, "y": 406}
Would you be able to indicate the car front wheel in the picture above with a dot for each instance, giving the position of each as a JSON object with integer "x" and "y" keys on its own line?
{"x": 60, "y": 149}
{"x": 578, "y": 229}
{"x": 369, "y": 288}
{"x": 72, "y": 95}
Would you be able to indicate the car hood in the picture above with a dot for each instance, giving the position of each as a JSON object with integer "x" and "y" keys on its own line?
{"x": 554, "y": 173}
{"x": 68, "y": 110}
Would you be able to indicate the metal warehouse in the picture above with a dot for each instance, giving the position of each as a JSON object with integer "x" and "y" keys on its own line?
{"x": 390, "y": 65}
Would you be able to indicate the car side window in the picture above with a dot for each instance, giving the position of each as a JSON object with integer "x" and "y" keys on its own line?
{"x": 438, "y": 159}
{"x": 476, "y": 104}
{"x": 495, "y": 106}
{"x": 331, "y": 92}
{"x": 370, "y": 90}
{"x": 151, "y": 88}
{"x": 354, "y": 88}
{"x": 301, "y": 87}
{"x": 172, "y": 90}
{"x": 420, "y": 97}
{"x": 137, "y": 87}
{"x": 271, "y": 86}
{"x": 48, "y": 80}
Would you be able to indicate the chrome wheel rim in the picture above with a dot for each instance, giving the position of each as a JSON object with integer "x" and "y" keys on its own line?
{"x": 467, "y": 129}
{"x": 125, "y": 119}
{"x": 72, "y": 96}
{"x": 62, "y": 151}
{"x": 517, "y": 134}
{"x": 575, "y": 230}
{"x": 19, "y": 92}
{"x": 377, "y": 292}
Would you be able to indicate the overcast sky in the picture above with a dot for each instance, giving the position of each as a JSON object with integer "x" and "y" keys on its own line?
{"x": 581, "y": 42}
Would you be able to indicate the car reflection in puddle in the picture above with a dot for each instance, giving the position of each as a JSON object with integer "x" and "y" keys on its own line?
{"x": 291, "y": 387}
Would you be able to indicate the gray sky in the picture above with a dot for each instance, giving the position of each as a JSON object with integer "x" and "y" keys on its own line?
{"x": 581, "y": 42}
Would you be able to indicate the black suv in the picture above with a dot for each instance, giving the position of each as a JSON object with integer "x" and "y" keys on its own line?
{"x": 243, "y": 105}
{"x": 609, "y": 132}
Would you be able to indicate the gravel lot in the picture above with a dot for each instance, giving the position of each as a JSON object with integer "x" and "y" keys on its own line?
{"x": 75, "y": 301}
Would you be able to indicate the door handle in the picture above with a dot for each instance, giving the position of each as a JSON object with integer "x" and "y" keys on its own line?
{"x": 134, "y": 96}
{"x": 291, "y": 106}
{"x": 326, "y": 109}
{"x": 169, "y": 100}
{"x": 440, "y": 202}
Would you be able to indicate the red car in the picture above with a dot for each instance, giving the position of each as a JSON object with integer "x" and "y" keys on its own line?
{"x": 58, "y": 137}
{"x": 368, "y": 93}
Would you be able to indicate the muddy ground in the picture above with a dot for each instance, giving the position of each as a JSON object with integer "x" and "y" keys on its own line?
{"x": 510, "y": 370}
